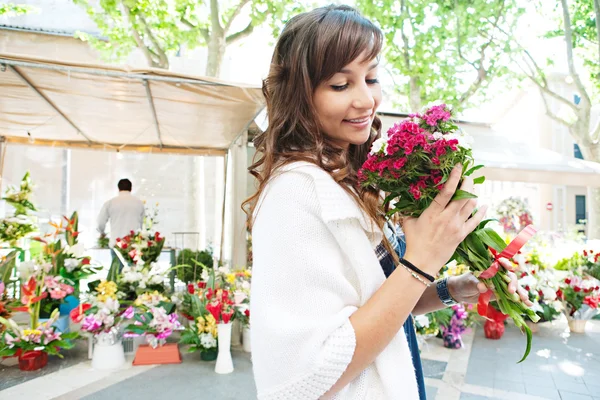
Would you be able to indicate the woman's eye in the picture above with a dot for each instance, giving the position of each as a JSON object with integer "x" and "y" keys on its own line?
{"x": 339, "y": 88}
{"x": 372, "y": 81}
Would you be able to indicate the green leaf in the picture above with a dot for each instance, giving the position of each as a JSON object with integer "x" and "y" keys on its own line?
{"x": 490, "y": 238}
{"x": 470, "y": 171}
{"x": 528, "y": 347}
{"x": 461, "y": 194}
{"x": 479, "y": 180}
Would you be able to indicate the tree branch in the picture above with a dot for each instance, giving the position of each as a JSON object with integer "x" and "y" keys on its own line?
{"x": 549, "y": 113}
{"x": 233, "y": 16}
{"x": 569, "y": 43}
{"x": 234, "y": 37}
{"x": 148, "y": 54}
{"x": 203, "y": 31}
{"x": 405, "y": 51}
{"x": 164, "y": 60}
{"x": 215, "y": 18}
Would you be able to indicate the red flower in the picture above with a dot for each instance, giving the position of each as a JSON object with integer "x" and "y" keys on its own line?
{"x": 541, "y": 294}
{"x": 209, "y": 293}
{"x": 585, "y": 253}
{"x": 560, "y": 294}
{"x": 527, "y": 288}
{"x": 247, "y": 312}
{"x": 201, "y": 285}
{"x": 85, "y": 261}
{"x": 78, "y": 313}
{"x": 215, "y": 309}
{"x": 28, "y": 293}
{"x": 592, "y": 301}
{"x": 227, "y": 316}
{"x": 577, "y": 289}
{"x": 568, "y": 281}
{"x": 190, "y": 288}
{"x": 523, "y": 275}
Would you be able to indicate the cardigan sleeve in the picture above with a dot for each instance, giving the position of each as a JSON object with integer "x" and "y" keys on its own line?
{"x": 303, "y": 293}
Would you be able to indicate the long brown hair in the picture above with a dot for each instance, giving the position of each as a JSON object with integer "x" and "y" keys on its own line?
{"x": 312, "y": 48}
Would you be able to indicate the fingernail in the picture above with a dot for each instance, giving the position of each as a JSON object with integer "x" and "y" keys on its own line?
{"x": 458, "y": 166}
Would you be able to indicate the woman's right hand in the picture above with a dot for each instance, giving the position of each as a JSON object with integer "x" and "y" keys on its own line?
{"x": 432, "y": 238}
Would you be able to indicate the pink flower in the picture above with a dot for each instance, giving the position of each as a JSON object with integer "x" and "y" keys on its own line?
{"x": 128, "y": 314}
{"x": 90, "y": 324}
{"x": 414, "y": 190}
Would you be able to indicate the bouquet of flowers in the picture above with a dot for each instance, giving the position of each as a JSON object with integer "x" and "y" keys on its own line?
{"x": 67, "y": 255}
{"x": 140, "y": 278}
{"x": 411, "y": 163}
{"x": 580, "y": 296}
{"x": 4, "y": 312}
{"x": 453, "y": 331}
{"x": 541, "y": 286}
{"x": 201, "y": 334}
{"x": 17, "y": 340}
{"x": 50, "y": 289}
{"x": 140, "y": 246}
{"x": 156, "y": 323}
{"x": 21, "y": 224}
{"x": 514, "y": 214}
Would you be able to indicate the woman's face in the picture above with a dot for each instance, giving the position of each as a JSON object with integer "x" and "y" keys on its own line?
{"x": 346, "y": 103}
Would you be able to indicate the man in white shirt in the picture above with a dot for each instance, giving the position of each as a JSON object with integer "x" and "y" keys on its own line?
{"x": 125, "y": 212}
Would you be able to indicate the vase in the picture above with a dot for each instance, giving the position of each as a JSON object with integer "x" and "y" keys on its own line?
{"x": 224, "y": 362}
{"x": 108, "y": 351}
{"x": 533, "y": 326}
{"x": 32, "y": 360}
{"x": 246, "y": 339}
{"x": 577, "y": 325}
{"x": 209, "y": 354}
{"x": 493, "y": 330}
{"x": 453, "y": 342}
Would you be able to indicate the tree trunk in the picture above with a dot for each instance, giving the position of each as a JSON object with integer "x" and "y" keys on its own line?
{"x": 216, "y": 51}
{"x": 414, "y": 95}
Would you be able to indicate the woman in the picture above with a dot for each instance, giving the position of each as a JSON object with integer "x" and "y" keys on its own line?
{"x": 325, "y": 320}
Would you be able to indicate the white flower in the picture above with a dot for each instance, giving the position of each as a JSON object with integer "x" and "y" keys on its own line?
{"x": 465, "y": 141}
{"x": 549, "y": 294}
{"x": 207, "y": 340}
{"x": 27, "y": 268}
{"x": 536, "y": 307}
{"x": 380, "y": 144}
{"x": 528, "y": 280}
{"x": 422, "y": 320}
{"x": 71, "y": 264}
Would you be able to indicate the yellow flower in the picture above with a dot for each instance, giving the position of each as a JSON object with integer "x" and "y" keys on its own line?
{"x": 200, "y": 324}
{"x": 149, "y": 298}
{"x": 230, "y": 278}
{"x": 106, "y": 290}
{"x": 27, "y": 332}
{"x": 211, "y": 325}
{"x": 248, "y": 273}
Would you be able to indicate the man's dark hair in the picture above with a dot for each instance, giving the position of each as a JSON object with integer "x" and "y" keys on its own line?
{"x": 125, "y": 184}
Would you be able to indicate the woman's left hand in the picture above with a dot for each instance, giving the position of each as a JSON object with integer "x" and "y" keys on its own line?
{"x": 466, "y": 288}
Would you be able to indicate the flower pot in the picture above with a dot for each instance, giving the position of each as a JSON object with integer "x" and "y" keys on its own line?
{"x": 533, "y": 326}
{"x": 209, "y": 354}
{"x": 453, "y": 342}
{"x": 32, "y": 360}
{"x": 224, "y": 361}
{"x": 246, "y": 339}
{"x": 577, "y": 325}
{"x": 108, "y": 351}
{"x": 493, "y": 330}
{"x": 69, "y": 304}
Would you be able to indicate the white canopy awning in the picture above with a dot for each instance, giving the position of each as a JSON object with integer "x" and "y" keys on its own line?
{"x": 44, "y": 102}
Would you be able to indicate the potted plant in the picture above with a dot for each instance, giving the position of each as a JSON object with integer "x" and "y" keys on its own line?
{"x": 580, "y": 296}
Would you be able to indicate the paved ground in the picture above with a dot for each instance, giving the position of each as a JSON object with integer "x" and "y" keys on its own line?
{"x": 561, "y": 366}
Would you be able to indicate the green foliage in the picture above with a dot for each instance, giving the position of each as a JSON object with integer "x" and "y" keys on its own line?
{"x": 444, "y": 49}
{"x": 194, "y": 262}
{"x": 161, "y": 27}
{"x": 11, "y": 10}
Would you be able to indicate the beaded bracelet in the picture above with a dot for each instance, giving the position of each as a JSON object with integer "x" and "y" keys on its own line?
{"x": 410, "y": 265}
{"x": 417, "y": 277}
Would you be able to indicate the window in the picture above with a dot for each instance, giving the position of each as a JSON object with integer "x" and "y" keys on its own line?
{"x": 577, "y": 151}
{"x": 580, "y": 212}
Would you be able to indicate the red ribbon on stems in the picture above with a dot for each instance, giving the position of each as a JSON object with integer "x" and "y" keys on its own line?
{"x": 509, "y": 252}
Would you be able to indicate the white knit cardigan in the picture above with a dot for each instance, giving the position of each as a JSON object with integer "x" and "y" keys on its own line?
{"x": 314, "y": 265}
